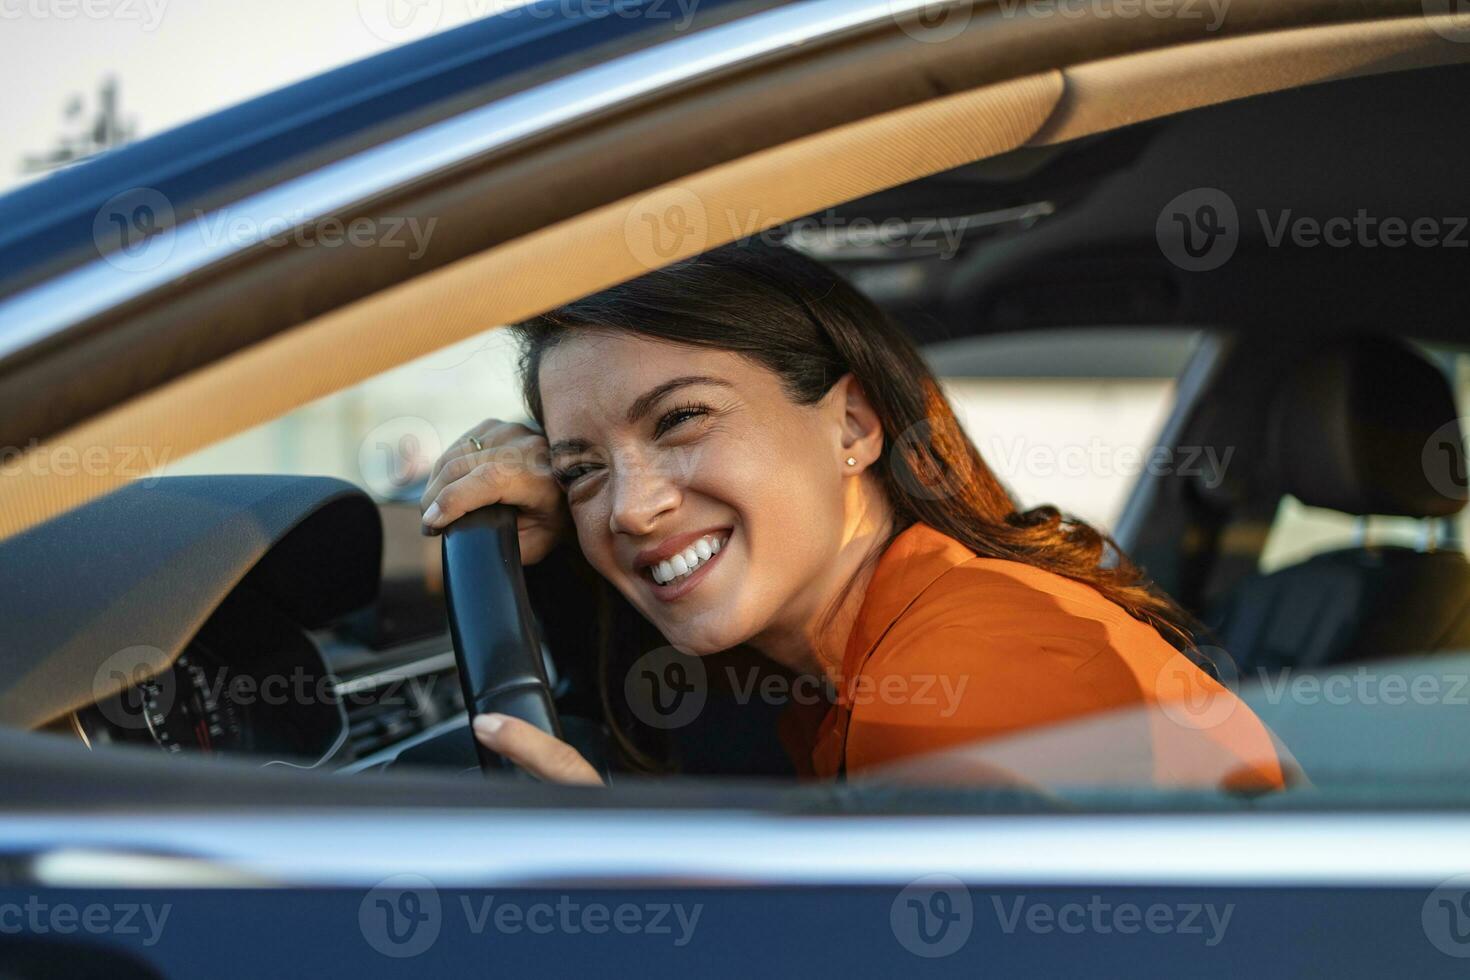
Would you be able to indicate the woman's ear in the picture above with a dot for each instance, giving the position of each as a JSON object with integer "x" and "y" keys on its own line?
{"x": 861, "y": 429}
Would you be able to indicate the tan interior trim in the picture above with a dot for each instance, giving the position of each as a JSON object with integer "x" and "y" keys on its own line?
{"x": 516, "y": 280}
{"x": 1116, "y": 92}
{"x": 621, "y": 240}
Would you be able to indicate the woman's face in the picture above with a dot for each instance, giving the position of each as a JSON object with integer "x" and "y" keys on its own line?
{"x": 708, "y": 497}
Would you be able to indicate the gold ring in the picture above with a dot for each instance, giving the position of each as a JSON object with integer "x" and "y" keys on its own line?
{"x": 478, "y": 445}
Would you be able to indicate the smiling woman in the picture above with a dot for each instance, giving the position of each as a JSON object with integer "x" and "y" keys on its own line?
{"x": 754, "y": 456}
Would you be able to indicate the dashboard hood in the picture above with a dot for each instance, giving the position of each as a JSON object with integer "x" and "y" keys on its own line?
{"x": 134, "y": 575}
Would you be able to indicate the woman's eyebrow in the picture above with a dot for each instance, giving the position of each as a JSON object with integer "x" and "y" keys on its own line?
{"x": 640, "y": 407}
{"x": 645, "y": 402}
{"x": 569, "y": 447}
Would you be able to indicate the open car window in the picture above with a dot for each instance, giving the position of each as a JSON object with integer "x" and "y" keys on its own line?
{"x": 1192, "y": 276}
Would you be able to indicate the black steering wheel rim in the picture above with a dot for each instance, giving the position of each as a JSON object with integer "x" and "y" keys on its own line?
{"x": 497, "y": 645}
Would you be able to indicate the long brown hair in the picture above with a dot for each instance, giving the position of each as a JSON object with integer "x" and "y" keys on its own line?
{"x": 799, "y": 319}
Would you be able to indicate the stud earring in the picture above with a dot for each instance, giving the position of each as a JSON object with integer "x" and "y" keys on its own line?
{"x": 851, "y": 461}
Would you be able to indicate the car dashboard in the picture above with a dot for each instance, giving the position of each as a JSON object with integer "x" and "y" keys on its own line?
{"x": 231, "y": 615}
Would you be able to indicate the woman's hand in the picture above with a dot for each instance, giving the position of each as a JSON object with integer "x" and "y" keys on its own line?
{"x": 543, "y": 756}
{"x": 511, "y": 465}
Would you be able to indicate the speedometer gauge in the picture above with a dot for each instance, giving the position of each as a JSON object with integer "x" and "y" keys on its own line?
{"x": 191, "y": 709}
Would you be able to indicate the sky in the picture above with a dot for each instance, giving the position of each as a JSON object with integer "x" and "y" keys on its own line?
{"x": 177, "y": 60}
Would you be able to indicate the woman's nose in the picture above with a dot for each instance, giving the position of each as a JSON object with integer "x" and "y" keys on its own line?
{"x": 641, "y": 495}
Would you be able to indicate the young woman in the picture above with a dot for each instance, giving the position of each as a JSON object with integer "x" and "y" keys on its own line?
{"x": 752, "y": 454}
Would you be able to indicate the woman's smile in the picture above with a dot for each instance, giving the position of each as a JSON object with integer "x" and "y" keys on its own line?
{"x": 677, "y": 567}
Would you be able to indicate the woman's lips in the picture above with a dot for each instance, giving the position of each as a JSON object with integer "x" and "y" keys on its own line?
{"x": 681, "y": 587}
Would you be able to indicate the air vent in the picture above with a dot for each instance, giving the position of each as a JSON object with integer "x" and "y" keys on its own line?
{"x": 389, "y": 706}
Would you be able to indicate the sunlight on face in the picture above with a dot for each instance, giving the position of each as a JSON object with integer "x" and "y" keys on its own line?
{"x": 663, "y": 448}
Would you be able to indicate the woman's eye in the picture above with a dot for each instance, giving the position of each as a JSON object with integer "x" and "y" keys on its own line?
{"x": 678, "y": 416}
{"x": 572, "y": 474}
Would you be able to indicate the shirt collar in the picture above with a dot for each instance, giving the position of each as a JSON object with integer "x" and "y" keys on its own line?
{"x": 913, "y": 560}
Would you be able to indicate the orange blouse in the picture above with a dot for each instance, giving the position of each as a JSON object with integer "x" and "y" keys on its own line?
{"x": 982, "y": 665}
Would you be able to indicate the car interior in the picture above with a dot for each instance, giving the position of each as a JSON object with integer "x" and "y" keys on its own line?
{"x": 1328, "y": 377}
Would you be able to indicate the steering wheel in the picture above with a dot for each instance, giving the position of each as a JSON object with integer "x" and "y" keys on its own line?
{"x": 496, "y": 644}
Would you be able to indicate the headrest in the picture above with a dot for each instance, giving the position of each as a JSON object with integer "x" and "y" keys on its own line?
{"x": 1369, "y": 426}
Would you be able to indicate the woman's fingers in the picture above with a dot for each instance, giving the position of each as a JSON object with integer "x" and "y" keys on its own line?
{"x": 513, "y": 467}
{"x": 543, "y": 756}
{"x": 462, "y": 456}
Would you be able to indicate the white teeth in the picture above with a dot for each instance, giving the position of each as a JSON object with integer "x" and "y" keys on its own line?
{"x": 687, "y": 561}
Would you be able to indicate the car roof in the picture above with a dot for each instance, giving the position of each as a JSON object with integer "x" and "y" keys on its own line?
{"x": 49, "y": 224}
